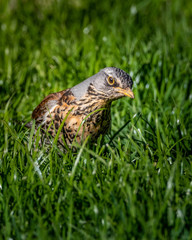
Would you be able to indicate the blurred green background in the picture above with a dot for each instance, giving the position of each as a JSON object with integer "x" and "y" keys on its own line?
{"x": 116, "y": 193}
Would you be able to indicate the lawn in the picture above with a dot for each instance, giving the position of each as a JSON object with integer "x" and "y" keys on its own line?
{"x": 136, "y": 183}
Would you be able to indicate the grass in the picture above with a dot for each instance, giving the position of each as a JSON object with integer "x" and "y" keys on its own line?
{"x": 137, "y": 184}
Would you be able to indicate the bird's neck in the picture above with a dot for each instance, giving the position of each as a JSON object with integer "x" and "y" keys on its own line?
{"x": 93, "y": 100}
{"x": 93, "y": 95}
{"x": 91, "y": 103}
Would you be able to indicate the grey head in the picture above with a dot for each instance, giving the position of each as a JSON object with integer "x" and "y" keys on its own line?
{"x": 112, "y": 82}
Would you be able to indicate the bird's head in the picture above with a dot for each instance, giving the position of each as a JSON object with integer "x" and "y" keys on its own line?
{"x": 114, "y": 83}
{"x": 110, "y": 83}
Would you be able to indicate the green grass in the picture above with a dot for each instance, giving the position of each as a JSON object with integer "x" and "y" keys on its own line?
{"x": 134, "y": 185}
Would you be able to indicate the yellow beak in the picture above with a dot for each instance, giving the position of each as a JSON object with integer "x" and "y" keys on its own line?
{"x": 127, "y": 92}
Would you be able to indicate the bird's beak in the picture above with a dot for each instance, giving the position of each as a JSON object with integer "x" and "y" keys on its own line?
{"x": 127, "y": 92}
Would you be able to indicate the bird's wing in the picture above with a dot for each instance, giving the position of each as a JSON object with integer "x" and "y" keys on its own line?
{"x": 47, "y": 106}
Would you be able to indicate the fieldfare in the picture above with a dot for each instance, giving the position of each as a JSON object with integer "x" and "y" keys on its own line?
{"x": 83, "y": 110}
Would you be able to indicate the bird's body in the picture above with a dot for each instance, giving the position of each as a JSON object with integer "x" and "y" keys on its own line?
{"x": 85, "y": 108}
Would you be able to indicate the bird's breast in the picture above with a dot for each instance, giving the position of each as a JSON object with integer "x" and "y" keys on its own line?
{"x": 87, "y": 121}
{"x": 81, "y": 119}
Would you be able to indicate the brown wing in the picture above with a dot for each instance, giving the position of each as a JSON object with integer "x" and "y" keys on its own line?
{"x": 48, "y": 104}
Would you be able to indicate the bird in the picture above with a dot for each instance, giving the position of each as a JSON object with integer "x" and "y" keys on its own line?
{"x": 83, "y": 110}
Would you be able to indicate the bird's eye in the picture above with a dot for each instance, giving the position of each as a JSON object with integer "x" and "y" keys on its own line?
{"x": 111, "y": 80}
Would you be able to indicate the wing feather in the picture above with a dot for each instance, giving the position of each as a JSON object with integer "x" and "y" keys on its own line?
{"x": 47, "y": 106}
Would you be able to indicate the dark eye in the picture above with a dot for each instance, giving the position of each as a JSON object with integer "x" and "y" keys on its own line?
{"x": 111, "y": 80}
